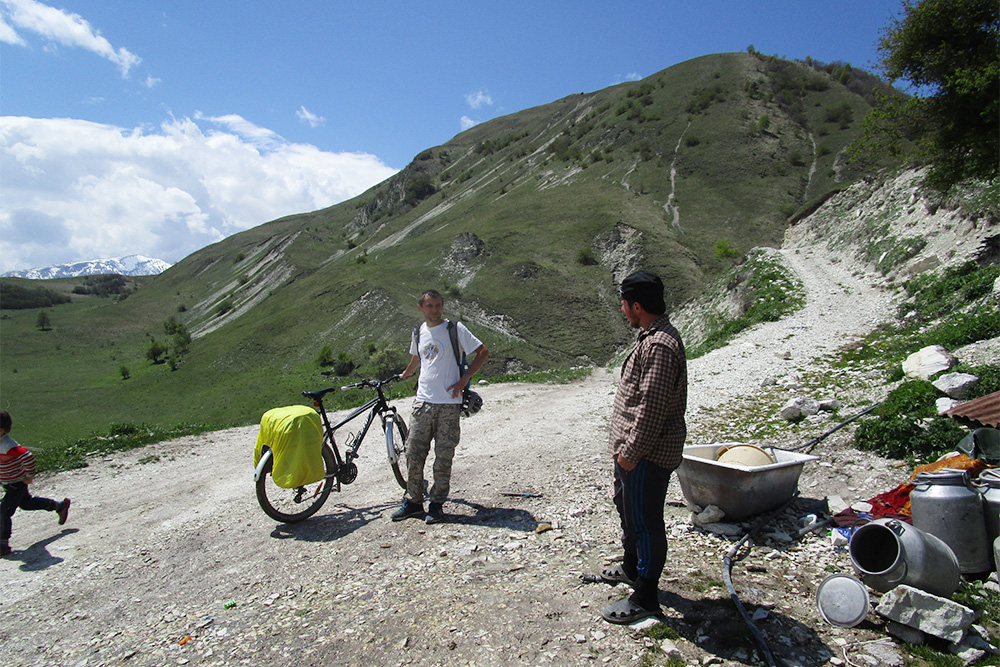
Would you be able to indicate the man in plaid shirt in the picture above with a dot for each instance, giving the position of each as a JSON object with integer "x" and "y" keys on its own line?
{"x": 647, "y": 440}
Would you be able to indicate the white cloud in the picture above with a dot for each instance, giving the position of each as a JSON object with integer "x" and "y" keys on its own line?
{"x": 479, "y": 99}
{"x": 151, "y": 82}
{"x": 309, "y": 118}
{"x": 75, "y": 190}
{"x": 467, "y": 122}
{"x": 60, "y": 27}
{"x": 8, "y": 35}
{"x": 631, "y": 76}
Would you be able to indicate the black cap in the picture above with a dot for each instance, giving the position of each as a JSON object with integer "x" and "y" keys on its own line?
{"x": 647, "y": 289}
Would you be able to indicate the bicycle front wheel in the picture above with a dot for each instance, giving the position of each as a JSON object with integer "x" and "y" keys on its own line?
{"x": 397, "y": 458}
{"x": 291, "y": 505}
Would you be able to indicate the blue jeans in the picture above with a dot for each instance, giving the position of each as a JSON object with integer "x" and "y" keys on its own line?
{"x": 16, "y": 496}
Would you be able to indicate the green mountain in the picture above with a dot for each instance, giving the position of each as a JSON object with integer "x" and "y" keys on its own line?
{"x": 526, "y": 223}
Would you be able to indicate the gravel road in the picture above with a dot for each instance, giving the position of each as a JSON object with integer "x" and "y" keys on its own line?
{"x": 167, "y": 559}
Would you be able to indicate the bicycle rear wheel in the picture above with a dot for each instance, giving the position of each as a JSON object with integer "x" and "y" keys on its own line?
{"x": 397, "y": 459}
{"x": 291, "y": 505}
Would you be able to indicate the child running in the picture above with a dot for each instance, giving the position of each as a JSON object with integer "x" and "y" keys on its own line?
{"x": 17, "y": 471}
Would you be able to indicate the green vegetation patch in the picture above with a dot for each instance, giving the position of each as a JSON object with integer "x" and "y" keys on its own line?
{"x": 119, "y": 437}
{"x": 551, "y": 376}
{"x": 766, "y": 290}
{"x": 19, "y": 297}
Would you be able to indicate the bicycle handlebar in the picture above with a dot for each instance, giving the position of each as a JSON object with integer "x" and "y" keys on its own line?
{"x": 373, "y": 384}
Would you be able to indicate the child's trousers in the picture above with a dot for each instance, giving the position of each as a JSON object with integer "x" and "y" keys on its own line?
{"x": 16, "y": 496}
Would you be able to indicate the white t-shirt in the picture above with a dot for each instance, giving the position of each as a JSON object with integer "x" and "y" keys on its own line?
{"x": 438, "y": 369}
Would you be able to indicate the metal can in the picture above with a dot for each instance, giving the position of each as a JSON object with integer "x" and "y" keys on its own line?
{"x": 989, "y": 482}
{"x": 945, "y": 504}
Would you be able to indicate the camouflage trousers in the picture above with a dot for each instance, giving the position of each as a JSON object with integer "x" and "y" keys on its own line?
{"x": 440, "y": 422}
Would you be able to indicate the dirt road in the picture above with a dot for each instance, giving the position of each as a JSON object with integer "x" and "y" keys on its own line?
{"x": 167, "y": 559}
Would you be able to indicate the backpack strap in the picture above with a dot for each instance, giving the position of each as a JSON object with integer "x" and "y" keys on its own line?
{"x": 453, "y": 334}
{"x": 459, "y": 356}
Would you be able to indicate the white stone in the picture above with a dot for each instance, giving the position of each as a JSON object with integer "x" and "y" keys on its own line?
{"x": 944, "y": 404}
{"x": 836, "y": 504}
{"x": 929, "y": 613}
{"x": 928, "y": 362}
{"x": 710, "y": 514}
{"x": 670, "y": 649}
{"x": 956, "y": 385}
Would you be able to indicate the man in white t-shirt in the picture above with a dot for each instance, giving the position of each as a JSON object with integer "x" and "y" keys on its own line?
{"x": 437, "y": 406}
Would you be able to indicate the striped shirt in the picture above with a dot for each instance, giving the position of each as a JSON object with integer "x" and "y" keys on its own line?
{"x": 647, "y": 421}
{"x": 16, "y": 462}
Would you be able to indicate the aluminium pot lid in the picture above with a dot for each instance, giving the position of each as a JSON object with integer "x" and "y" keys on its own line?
{"x": 843, "y": 600}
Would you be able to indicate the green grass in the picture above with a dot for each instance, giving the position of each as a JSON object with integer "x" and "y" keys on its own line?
{"x": 768, "y": 291}
{"x": 120, "y": 437}
{"x": 552, "y": 376}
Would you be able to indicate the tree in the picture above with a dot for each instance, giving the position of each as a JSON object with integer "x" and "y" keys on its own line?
{"x": 155, "y": 351}
{"x": 948, "y": 50}
{"x": 43, "y": 322}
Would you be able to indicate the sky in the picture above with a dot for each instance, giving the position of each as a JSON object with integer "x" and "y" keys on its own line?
{"x": 159, "y": 127}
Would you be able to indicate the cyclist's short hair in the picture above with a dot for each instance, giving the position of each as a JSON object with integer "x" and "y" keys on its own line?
{"x": 5, "y": 421}
{"x": 432, "y": 293}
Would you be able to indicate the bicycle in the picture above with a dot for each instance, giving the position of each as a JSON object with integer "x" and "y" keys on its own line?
{"x": 297, "y": 504}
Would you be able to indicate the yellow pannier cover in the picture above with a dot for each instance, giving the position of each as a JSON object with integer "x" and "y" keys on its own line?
{"x": 295, "y": 436}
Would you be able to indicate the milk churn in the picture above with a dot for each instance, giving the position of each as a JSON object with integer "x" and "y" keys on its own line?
{"x": 888, "y": 552}
{"x": 945, "y": 504}
{"x": 990, "y": 484}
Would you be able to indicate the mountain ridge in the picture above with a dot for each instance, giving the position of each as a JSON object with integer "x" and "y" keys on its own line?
{"x": 128, "y": 265}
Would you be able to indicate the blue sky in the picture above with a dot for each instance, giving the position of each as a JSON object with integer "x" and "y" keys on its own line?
{"x": 156, "y": 127}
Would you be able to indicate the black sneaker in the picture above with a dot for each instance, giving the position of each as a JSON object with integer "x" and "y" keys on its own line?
{"x": 5, "y": 550}
{"x": 63, "y": 511}
{"x": 435, "y": 513}
{"x": 408, "y": 510}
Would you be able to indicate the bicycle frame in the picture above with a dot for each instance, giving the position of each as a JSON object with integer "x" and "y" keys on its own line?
{"x": 378, "y": 405}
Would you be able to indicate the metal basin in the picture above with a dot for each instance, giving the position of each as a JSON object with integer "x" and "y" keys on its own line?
{"x": 738, "y": 490}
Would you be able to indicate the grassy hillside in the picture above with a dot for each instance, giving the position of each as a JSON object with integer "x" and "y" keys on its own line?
{"x": 525, "y": 223}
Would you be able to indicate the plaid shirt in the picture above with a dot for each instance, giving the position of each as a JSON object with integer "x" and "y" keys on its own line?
{"x": 648, "y": 417}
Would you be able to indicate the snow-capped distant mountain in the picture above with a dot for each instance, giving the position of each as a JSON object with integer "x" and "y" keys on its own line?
{"x": 132, "y": 265}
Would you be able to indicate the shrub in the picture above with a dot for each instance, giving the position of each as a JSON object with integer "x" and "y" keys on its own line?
{"x": 418, "y": 189}
{"x": 223, "y": 307}
{"x": 345, "y": 365}
{"x": 963, "y": 328}
{"x": 388, "y": 361}
{"x": 900, "y": 437}
{"x": 123, "y": 369}
{"x": 915, "y": 399}
{"x": 724, "y": 250}
{"x": 586, "y": 257}
{"x": 935, "y": 296}
{"x": 907, "y": 425}
{"x": 325, "y": 356}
